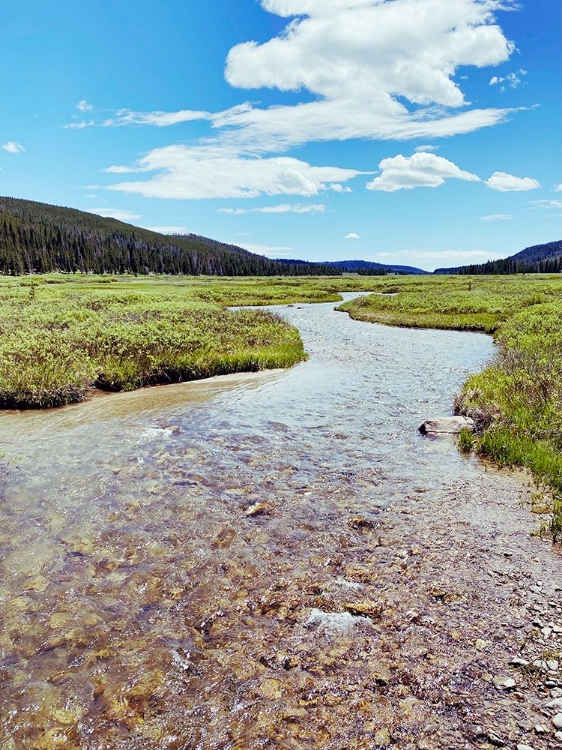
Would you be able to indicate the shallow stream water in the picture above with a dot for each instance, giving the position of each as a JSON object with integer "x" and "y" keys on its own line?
{"x": 272, "y": 560}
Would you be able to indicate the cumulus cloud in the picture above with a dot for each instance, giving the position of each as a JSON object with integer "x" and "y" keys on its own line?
{"x": 371, "y": 69}
{"x": 497, "y": 217}
{"x": 84, "y": 106}
{"x": 214, "y": 172}
{"x": 158, "y": 119}
{"x": 337, "y": 188}
{"x": 283, "y": 208}
{"x": 420, "y": 170}
{"x": 352, "y": 236}
{"x": 13, "y": 148}
{"x": 114, "y": 213}
{"x": 558, "y": 188}
{"x": 358, "y": 57}
{"x": 506, "y": 183}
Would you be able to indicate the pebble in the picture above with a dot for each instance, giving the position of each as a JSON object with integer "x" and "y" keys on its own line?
{"x": 257, "y": 509}
{"x": 557, "y": 721}
{"x": 552, "y": 664}
{"x": 556, "y": 703}
{"x": 524, "y": 747}
{"x": 504, "y": 683}
{"x": 517, "y": 661}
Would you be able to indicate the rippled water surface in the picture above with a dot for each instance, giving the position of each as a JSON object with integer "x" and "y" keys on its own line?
{"x": 195, "y": 566}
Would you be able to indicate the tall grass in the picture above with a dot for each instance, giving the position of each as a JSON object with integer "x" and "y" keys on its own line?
{"x": 56, "y": 345}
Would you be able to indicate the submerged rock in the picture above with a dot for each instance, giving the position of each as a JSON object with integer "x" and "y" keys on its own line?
{"x": 446, "y": 425}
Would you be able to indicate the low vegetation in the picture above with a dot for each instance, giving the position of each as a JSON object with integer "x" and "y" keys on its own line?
{"x": 516, "y": 401}
{"x": 57, "y": 341}
{"x": 61, "y": 335}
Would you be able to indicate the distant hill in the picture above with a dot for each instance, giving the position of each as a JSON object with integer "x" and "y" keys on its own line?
{"x": 545, "y": 258}
{"x": 41, "y": 238}
{"x": 368, "y": 267}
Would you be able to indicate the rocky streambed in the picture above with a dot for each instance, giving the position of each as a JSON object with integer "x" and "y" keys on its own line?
{"x": 278, "y": 560}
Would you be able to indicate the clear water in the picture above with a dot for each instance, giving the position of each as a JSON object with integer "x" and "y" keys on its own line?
{"x": 192, "y": 566}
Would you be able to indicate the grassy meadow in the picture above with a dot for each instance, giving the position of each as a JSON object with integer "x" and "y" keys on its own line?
{"x": 62, "y": 335}
{"x": 516, "y": 401}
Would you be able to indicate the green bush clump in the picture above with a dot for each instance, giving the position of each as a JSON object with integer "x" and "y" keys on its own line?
{"x": 57, "y": 345}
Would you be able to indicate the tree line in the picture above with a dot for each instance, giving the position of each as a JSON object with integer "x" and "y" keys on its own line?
{"x": 40, "y": 238}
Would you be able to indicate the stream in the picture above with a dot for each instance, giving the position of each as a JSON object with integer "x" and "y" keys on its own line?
{"x": 273, "y": 560}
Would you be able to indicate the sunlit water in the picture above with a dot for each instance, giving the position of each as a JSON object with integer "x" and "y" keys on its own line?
{"x": 148, "y": 602}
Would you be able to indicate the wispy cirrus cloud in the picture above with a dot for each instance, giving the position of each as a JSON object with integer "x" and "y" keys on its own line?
{"x": 215, "y": 172}
{"x": 168, "y": 230}
{"x": 283, "y": 208}
{"x": 497, "y": 217}
{"x": 114, "y": 213}
{"x": 158, "y": 119}
{"x": 546, "y": 204}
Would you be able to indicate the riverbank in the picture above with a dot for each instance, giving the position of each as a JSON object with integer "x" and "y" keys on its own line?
{"x": 516, "y": 402}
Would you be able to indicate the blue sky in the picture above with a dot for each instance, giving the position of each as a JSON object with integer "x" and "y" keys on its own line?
{"x": 420, "y": 132}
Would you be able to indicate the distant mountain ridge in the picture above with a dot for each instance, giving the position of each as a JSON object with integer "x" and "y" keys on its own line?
{"x": 42, "y": 238}
{"x": 365, "y": 266}
{"x": 545, "y": 258}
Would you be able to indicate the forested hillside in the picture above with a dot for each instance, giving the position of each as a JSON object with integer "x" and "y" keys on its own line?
{"x": 40, "y": 238}
{"x": 546, "y": 258}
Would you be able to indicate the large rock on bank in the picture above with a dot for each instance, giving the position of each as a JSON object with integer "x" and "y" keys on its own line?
{"x": 446, "y": 425}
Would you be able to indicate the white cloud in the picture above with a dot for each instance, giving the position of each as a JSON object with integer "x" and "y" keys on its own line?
{"x": 420, "y": 170}
{"x": 352, "y": 236}
{"x": 214, "y": 172}
{"x": 168, "y": 230}
{"x": 511, "y": 80}
{"x": 84, "y": 106}
{"x": 271, "y": 251}
{"x": 497, "y": 217}
{"x": 371, "y": 69}
{"x": 546, "y": 204}
{"x": 426, "y": 148}
{"x": 13, "y": 148}
{"x": 158, "y": 119}
{"x": 79, "y": 125}
{"x": 337, "y": 188}
{"x": 357, "y": 56}
{"x": 114, "y": 213}
{"x": 558, "y": 188}
{"x": 283, "y": 208}
{"x": 505, "y": 183}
